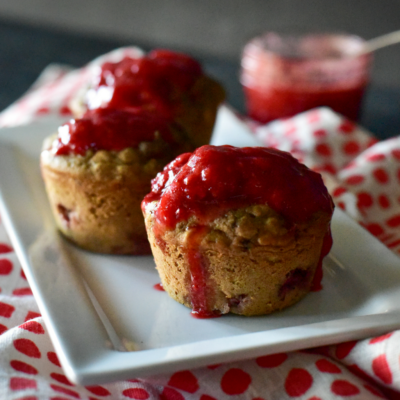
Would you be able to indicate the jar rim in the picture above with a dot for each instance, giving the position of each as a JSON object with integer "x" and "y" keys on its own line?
{"x": 311, "y": 45}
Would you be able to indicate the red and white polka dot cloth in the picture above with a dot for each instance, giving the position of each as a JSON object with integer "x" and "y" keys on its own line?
{"x": 364, "y": 177}
{"x": 362, "y": 174}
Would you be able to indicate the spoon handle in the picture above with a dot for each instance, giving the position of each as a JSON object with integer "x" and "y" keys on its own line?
{"x": 382, "y": 41}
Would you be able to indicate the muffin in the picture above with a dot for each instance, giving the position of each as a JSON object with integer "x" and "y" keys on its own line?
{"x": 98, "y": 168}
{"x": 162, "y": 82}
{"x": 240, "y": 230}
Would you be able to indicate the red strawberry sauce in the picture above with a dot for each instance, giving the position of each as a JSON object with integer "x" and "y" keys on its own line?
{"x": 129, "y": 101}
{"x": 156, "y": 82}
{"x": 109, "y": 129}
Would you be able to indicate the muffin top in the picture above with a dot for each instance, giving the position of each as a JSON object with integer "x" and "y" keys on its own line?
{"x": 111, "y": 129}
{"x": 115, "y": 144}
{"x": 214, "y": 179}
{"x": 159, "y": 81}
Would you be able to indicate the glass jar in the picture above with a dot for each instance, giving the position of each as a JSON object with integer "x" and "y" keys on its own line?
{"x": 283, "y": 75}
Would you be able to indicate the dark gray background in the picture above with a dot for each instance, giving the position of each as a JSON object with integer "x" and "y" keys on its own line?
{"x": 34, "y": 33}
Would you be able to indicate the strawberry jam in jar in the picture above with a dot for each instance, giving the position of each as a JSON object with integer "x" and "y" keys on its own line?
{"x": 283, "y": 75}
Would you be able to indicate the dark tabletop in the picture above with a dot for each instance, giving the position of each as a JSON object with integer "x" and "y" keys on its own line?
{"x": 26, "y": 50}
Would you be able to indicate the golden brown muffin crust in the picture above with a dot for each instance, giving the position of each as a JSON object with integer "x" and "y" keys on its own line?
{"x": 95, "y": 198}
{"x": 251, "y": 254}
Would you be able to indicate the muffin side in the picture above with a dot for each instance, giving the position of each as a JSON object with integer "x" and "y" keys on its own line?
{"x": 255, "y": 270}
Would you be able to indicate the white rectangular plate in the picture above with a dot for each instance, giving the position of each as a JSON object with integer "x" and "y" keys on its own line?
{"x": 97, "y": 307}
